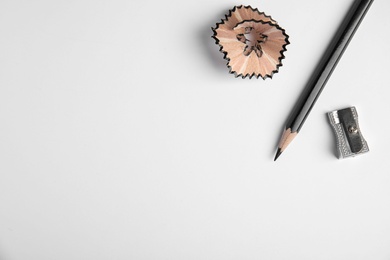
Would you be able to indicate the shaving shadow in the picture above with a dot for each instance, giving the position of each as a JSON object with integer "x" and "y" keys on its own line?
{"x": 209, "y": 47}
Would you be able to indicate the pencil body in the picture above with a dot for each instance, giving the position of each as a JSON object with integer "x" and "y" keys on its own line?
{"x": 323, "y": 71}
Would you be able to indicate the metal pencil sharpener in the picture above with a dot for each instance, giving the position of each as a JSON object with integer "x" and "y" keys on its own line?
{"x": 350, "y": 141}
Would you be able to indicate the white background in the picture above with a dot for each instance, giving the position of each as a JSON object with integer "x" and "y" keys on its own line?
{"x": 123, "y": 136}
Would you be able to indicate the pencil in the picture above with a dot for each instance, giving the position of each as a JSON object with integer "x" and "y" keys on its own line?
{"x": 323, "y": 72}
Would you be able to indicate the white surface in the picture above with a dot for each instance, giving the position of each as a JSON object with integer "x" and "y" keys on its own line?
{"x": 122, "y": 136}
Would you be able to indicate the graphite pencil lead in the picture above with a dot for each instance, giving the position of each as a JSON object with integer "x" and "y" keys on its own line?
{"x": 278, "y": 153}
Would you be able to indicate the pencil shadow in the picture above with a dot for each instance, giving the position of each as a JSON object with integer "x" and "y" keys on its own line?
{"x": 210, "y": 49}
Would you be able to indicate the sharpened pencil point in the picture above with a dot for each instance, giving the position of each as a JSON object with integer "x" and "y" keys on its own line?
{"x": 286, "y": 139}
{"x": 278, "y": 153}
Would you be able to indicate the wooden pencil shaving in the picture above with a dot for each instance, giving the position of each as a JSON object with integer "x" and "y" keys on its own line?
{"x": 252, "y": 42}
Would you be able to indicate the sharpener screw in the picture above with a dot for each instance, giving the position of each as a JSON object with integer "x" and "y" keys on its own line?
{"x": 352, "y": 129}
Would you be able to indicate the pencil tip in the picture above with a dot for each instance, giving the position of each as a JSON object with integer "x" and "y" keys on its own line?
{"x": 278, "y": 153}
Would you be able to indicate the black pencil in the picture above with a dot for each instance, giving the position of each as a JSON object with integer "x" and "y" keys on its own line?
{"x": 322, "y": 72}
